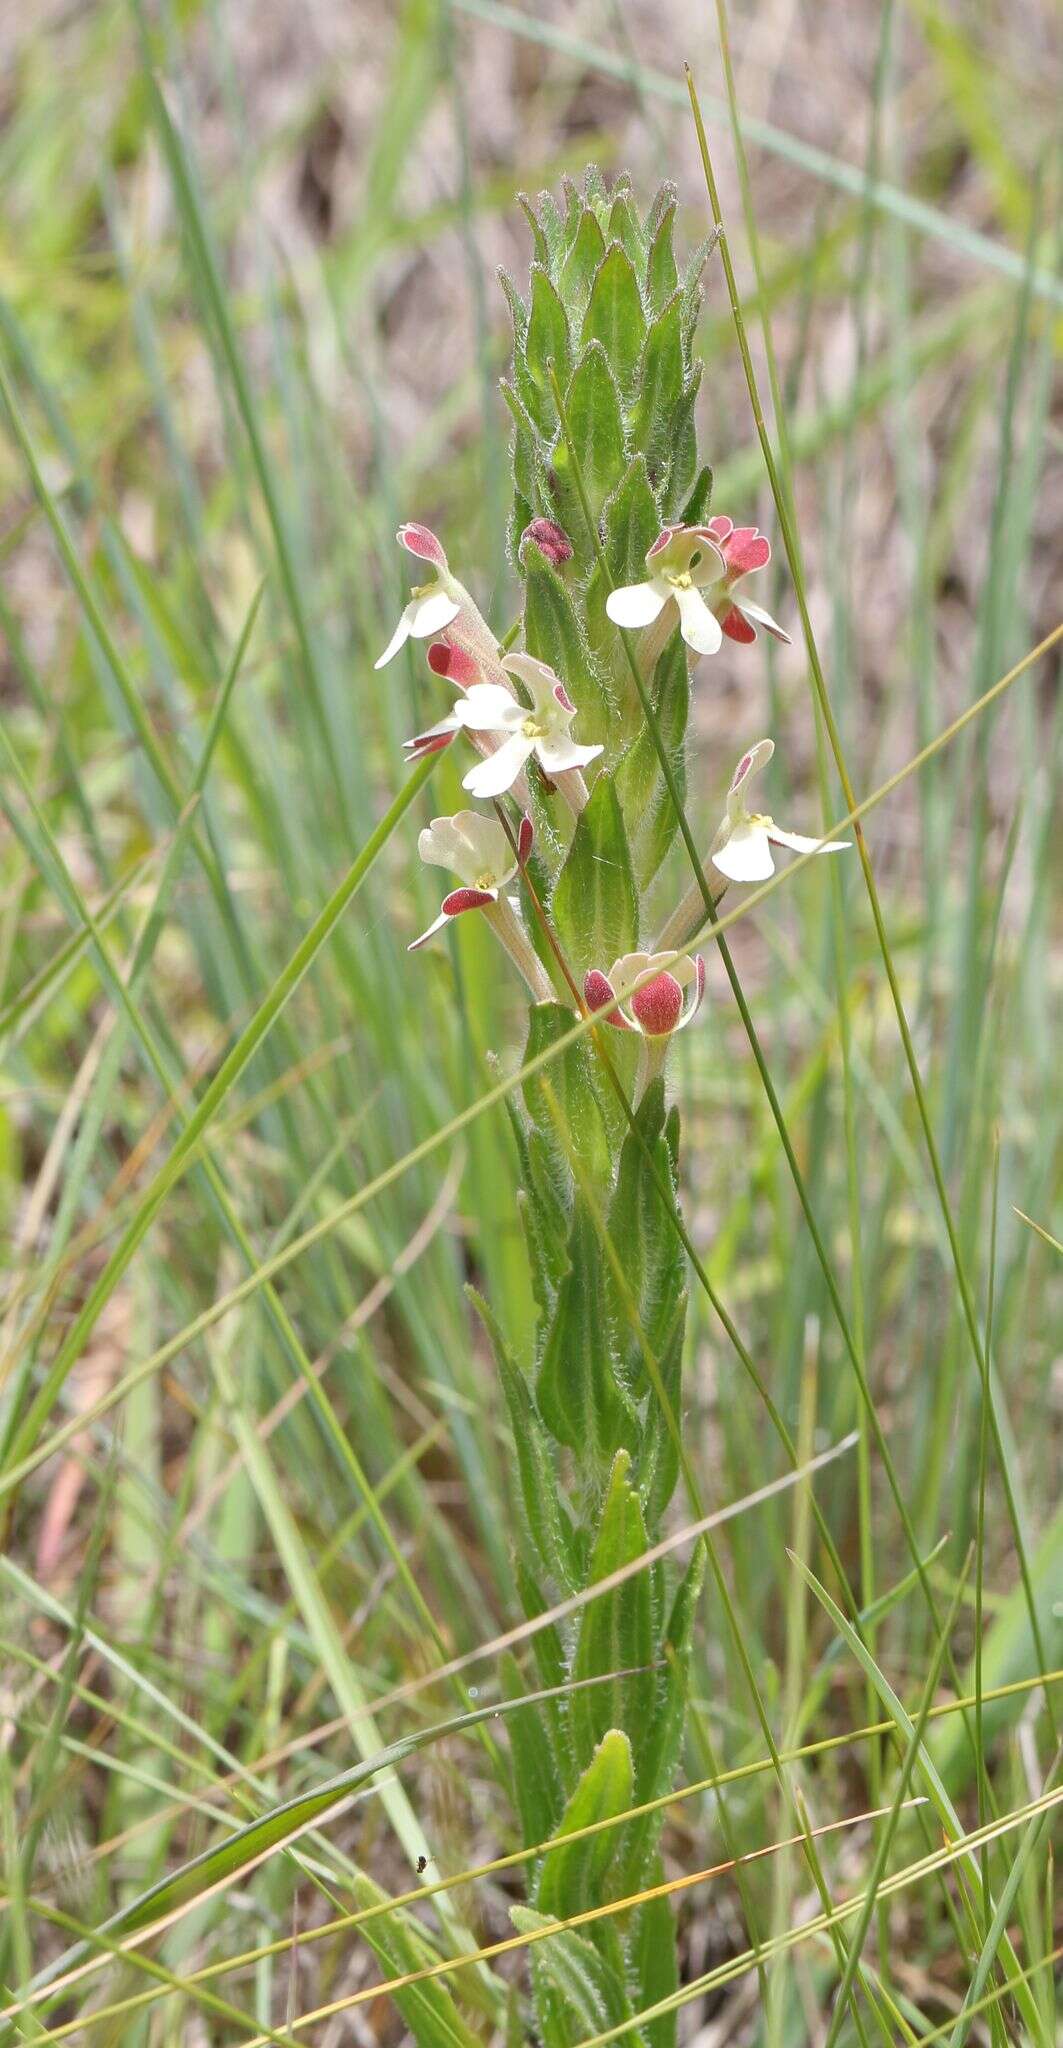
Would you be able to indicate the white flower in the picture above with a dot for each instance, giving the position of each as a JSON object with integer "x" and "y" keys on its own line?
{"x": 476, "y": 850}
{"x": 659, "y": 1007}
{"x": 480, "y": 854}
{"x": 696, "y": 568}
{"x": 433, "y": 605}
{"x": 682, "y": 561}
{"x": 491, "y": 709}
{"x": 742, "y": 846}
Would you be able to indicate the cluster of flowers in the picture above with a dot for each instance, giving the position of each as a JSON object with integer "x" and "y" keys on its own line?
{"x": 693, "y": 578}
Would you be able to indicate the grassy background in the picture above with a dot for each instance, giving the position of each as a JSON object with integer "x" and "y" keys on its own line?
{"x": 248, "y": 320}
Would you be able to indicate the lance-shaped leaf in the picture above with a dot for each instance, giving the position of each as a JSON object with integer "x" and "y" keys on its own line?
{"x": 528, "y": 451}
{"x": 580, "y": 266}
{"x": 654, "y": 1964}
{"x": 596, "y": 908}
{"x": 625, "y": 227}
{"x": 547, "y": 343}
{"x": 560, "y": 1097}
{"x": 661, "y": 382}
{"x": 552, "y": 634}
{"x": 596, "y": 424}
{"x": 662, "y": 276}
{"x": 546, "y": 1515}
{"x": 573, "y": 1875}
{"x": 544, "y": 1199}
{"x": 536, "y": 1781}
{"x": 615, "y": 317}
{"x": 642, "y": 1229}
{"x": 642, "y": 789}
{"x": 622, "y": 1617}
{"x": 632, "y": 523}
{"x": 683, "y": 463}
{"x": 578, "y": 1991}
{"x": 400, "y": 1947}
{"x": 661, "y": 1740}
{"x": 579, "y": 1392}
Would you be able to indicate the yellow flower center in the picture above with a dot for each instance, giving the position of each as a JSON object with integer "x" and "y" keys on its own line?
{"x": 531, "y": 729}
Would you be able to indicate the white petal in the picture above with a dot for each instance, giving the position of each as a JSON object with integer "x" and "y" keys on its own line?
{"x": 537, "y": 675}
{"x": 501, "y": 769}
{"x": 434, "y": 732}
{"x": 429, "y": 614}
{"x": 799, "y": 842}
{"x": 470, "y": 845}
{"x": 755, "y": 758}
{"x": 700, "y": 627}
{"x": 397, "y": 640}
{"x": 488, "y": 707}
{"x": 746, "y": 855}
{"x": 559, "y": 752}
{"x": 636, "y": 604}
{"x": 757, "y": 616}
{"x": 440, "y": 921}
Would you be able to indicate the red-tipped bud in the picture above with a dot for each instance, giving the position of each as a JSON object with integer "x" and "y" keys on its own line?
{"x": 525, "y": 838}
{"x": 550, "y": 539}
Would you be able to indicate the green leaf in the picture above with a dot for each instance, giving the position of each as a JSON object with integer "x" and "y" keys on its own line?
{"x": 539, "y": 242}
{"x": 535, "y": 1777}
{"x": 625, "y": 227}
{"x": 547, "y": 342}
{"x": 654, "y": 1963}
{"x": 578, "y": 1992}
{"x": 596, "y": 909}
{"x": 683, "y": 464}
{"x": 615, "y": 317}
{"x": 641, "y": 1227}
{"x": 546, "y": 1514}
{"x": 396, "y": 1940}
{"x": 696, "y": 510}
{"x": 616, "y": 1629}
{"x": 660, "y": 386}
{"x": 642, "y": 789}
{"x": 574, "y": 1876}
{"x": 552, "y": 634}
{"x": 661, "y": 1741}
{"x": 529, "y": 449}
{"x": 662, "y": 276}
{"x": 631, "y": 523}
{"x": 581, "y": 264}
{"x": 544, "y": 1198}
{"x": 596, "y": 423}
{"x": 564, "y": 1090}
{"x": 580, "y": 1395}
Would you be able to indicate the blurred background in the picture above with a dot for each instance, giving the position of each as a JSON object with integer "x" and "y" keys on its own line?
{"x": 240, "y": 343}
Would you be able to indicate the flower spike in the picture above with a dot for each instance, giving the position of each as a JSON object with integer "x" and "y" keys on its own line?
{"x": 742, "y": 846}
{"x": 660, "y": 1006}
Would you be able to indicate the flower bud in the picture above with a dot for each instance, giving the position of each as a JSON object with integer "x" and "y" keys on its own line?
{"x": 551, "y": 540}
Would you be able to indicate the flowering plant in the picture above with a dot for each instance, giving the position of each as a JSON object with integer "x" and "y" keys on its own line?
{"x": 629, "y": 582}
